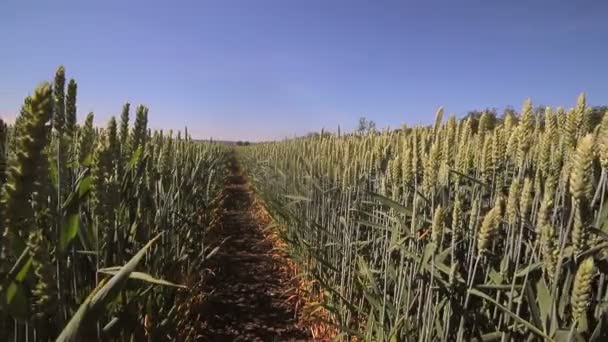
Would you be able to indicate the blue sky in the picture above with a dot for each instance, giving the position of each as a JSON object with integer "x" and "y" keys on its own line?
{"x": 255, "y": 70}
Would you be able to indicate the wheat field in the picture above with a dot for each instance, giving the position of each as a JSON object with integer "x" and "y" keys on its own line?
{"x": 82, "y": 207}
{"x": 472, "y": 229}
{"x": 485, "y": 229}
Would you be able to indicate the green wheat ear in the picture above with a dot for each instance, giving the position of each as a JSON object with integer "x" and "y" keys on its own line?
{"x": 86, "y": 140}
{"x": 437, "y": 226}
{"x": 488, "y": 229}
{"x": 525, "y": 133}
{"x": 602, "y": 141}
{"x": 580, "y": 235}
{"x": 581, "y": 175}
{"x": 484, "y": 123}
{"x": 457, "y": 229}
{"x": 112, "y": 132}
{"x": 431, "y": 169}
{"x": 138, "y": 137}
{"x": 45, "y": 291}
{"x": 3, "y": 152}
{"x": 25, "y": 164}
{"x": 70, "y": 110}
{"x": 581, "y": 290}
{"x": 513, "y": 202}
{"x": 525, "y": 202}
{"x": 580, "y": 113}
{"x": 59, "y": 116}
{"x": 549, "y": 249}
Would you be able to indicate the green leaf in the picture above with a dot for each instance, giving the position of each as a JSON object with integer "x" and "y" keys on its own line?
{"x": 395, "y": 235}
{"x": 500, "y": 287}
{"x": 12, "y": 297}
{"x": 374, "y": 303}
{"x": 104, "y": 293}
{"x": 84, "y": 186}
{"x": 429, "y": 249}
{"x": 470, "y": 178}
{"x": 545, "y": 301}
{"x": 88, "y": 160}
{"x": 493, "y": 336}
{"x": 71, "y": 226}
{"x": 511, "y": 314}
{"x": 17, "y": 301}
{"x": 18, "y": 244}
{"x": 69, "y": 231}
{"x": 598, "y": 331}
{"x": 297, "y": 198}
{"x": 443, "y": 268}
{"x": 54, "y": 175}
{"x": 603, "y": 217}
{"x": 91, "y": 253}
{"x": 392, "y": 204}
{"x": 17, "y": 272}
{"x": 441, "y": 257}
{"x": 365, "y": 270}
{"x": 212, "y": 253}
{"x": 530, "y": 268}
{"x": 370, "y": 224}
{"x": 567, "y": 336}
{"x": 24, "y": 270}
{"x": 537, "y": 317}
{"x": 495, "y": 276}
{"x": 141, "y": 276}
{"x": 134, "y": 158}
{"x": 564, "y": 299}
{"x": 110, "y": 327}
{"x": 583, "y": 325}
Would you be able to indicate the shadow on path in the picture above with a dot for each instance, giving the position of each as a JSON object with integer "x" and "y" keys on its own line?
{"x": 247, "y": 294}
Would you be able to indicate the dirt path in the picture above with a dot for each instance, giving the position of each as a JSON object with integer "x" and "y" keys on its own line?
{"x": 248, "y": 291}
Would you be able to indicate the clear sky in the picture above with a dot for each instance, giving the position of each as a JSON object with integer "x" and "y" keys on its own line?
{"x": 256, "y": 69}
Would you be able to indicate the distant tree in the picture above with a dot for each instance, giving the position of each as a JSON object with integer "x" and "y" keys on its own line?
{"x": 404, "y": 128}
{"x": 318, "y": 134}
{"x": 362, "y": 125}
{"x": 366, "y": 126}
{"x": 540, "y": 110}
{"x": 539, "y": 113}
{"x": 371, "y": 126}
{"x": 508, "y": 111}
{"x": 490, "y": 118}
{"x": 596, "y": 115}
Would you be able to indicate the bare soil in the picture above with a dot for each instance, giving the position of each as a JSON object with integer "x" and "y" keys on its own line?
{"x": 247, "y": 293}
